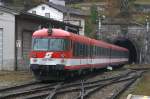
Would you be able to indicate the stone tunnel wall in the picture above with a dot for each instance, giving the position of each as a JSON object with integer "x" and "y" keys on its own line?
{"x": 136, "y": 34}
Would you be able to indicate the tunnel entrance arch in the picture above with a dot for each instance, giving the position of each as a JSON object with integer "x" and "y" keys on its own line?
{"x": 127, "y": 43}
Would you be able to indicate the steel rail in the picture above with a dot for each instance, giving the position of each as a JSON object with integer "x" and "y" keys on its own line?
{"x": 31, "y": 91}
{"x": 92, "y": 84}
{"x": 19, "y": 86}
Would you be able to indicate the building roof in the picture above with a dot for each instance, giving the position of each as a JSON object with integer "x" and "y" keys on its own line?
{"x": 26, "y": 15}
{"x": 9, "y": 10}
{"x": 61, "y": 8}
{"x": 31, "y": 16}
{"x": 66, "y": 10}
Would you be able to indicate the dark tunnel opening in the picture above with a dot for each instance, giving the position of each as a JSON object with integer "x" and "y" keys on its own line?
{"x": 129, "y": 45}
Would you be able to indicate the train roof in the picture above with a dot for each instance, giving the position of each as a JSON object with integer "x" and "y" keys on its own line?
{"x": 115, "y": 47}
{"x": 55, "y": 32}
{"x": 75, "y": 37}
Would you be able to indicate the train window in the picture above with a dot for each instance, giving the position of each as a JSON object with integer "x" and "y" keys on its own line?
{"x": 81, "y": 49}
{"x": 106, "y": 52}
{"x": 94, "y": 50}
{"x": 98, "y": 51}
{"x": 40, "y": 44}
{"x": 91, "y": 51}
{"x": 46, "y": 44}
{"x": 58, "y": 44}
{"x": 85, "y": 50}
{"x": 88, "y": 50}
{"x": 77, "y": 49}
{"x": 74, "y": 49}
{"x": 103, "y": 52}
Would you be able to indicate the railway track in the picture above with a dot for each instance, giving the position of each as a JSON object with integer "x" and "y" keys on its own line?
{"x": 84, "y": 89}
{"x": 28, "y": 90}
{"x": 81, "y": 89}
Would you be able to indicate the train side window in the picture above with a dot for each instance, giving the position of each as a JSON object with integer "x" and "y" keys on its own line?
{"x": 79, "y": 47}
{"x": 95, "y": 50}
{"x": 74, "y": 51}
{"x": 100, "y": 51}
{"x": 88, "y": 50}
{"x": 81, "y": 51}
{"x": 85, "y": 50}
{"x": 91, "y": 50}
{"x": 104, "y": 52}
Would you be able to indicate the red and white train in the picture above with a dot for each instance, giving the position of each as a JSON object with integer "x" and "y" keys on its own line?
{"x": 57, "y": 53}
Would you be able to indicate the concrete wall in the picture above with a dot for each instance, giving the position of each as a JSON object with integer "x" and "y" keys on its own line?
{"x": 24, "y": 26}
{"x": 7, "y": 23}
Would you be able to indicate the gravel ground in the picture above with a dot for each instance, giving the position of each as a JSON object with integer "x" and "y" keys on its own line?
{"x": 107, "y": 92}
{"x": 108, "y": 74}
{"x": 10, "y": 78}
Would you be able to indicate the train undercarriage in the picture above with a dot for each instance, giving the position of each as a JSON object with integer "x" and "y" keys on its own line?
{"x": 58, "y": 73}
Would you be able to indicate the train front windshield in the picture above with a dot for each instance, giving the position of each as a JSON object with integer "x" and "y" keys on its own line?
{"x": 49, "y": 44}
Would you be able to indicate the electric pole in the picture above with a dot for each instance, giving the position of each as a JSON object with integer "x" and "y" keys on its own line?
{"x": 146, "y": 41}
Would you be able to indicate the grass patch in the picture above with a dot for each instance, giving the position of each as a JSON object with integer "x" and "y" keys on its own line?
{"x": 142, "y": 2}
{"x": 15, "y": 76}
{"x": 143, "y": 87}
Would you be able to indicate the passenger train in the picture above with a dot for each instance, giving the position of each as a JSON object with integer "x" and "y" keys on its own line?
{"x": 57, "y": 54}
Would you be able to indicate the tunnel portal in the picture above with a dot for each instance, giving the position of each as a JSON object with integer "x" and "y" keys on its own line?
{"x": 130, "y": 46}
